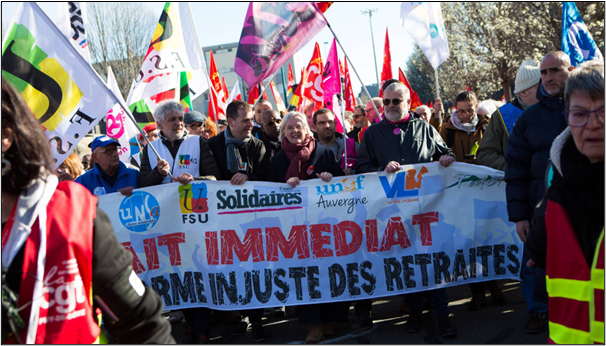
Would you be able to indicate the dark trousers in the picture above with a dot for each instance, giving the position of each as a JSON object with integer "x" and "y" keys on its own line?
{"x": 254, "y": 315}
{"x": 199, "y": 318}
{"x": 439, "y": 298}
{"x": 323, "y": 313}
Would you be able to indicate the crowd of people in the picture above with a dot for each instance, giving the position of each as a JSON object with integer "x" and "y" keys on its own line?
{"x": 549, "y": 141}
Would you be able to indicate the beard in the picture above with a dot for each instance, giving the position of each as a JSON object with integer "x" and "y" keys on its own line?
{"x": 394, "y": 115}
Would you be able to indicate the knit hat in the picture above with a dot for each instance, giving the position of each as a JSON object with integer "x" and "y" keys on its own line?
{"x": 528, "y": 75}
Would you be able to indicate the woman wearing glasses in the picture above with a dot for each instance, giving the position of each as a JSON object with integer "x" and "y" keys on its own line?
{"x": 567, "y": 232}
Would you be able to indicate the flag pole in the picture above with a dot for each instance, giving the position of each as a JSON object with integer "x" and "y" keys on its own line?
{"x": 353, "y": 68}
{"x": 284, "y": 88}
{"x": 438, "y": 93}
{"x": 95, "y": 75}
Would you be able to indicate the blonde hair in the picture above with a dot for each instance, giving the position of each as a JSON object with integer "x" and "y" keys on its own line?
{"x": 294, "y": 115}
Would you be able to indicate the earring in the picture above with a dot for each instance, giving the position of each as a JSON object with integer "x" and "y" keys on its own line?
{"x": 6, "y": 165}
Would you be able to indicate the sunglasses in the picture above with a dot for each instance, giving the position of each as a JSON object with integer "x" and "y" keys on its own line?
{"x": 196, "y": 126}
{"x": 396, "y": 102}
{"x": 271, "y": 123}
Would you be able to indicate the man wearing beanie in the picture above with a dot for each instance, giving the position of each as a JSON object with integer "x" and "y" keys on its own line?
{"x": 491, "y": 152}
{"x": 527, "y": 157}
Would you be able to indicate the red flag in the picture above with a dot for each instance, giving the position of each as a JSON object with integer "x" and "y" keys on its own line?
{"x": 415, "y": 101}
{"x": 225, "y": 92}
{"x": 341, "y": 69}
{"x": 323, "y": 5}
{"x": 314, "y": 89}
{"x": 467, "y": 87}
{"x": 253, "y": 94}
{"x": 350, "y": 99}
{"x": 386, "y": 71}
{"x": 431, "y": 105}
{"x": 291, "y": 80}
{"x": 297, "y": 97}
{"x": 216, "y": 108}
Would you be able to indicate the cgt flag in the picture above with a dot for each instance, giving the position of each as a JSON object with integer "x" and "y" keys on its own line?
{"x": 314, "y": 89}
{"x": 272, "y": 33}
{"x": 576, "y": 39}
{"x": 386, "y": 71}
{"x": 424, "y": 22}
{"x": 59, "y": 86}
{"x": 216, "y": 108}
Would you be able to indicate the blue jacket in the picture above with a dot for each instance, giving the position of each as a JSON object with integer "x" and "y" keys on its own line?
{"x": 98, "y": 182}
{"x": 528, "y": 151}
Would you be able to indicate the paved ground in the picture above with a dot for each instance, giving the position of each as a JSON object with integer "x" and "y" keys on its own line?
{"x": 490, "y": 325}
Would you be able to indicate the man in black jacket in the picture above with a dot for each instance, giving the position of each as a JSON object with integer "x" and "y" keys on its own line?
{"x": 193, "y": 156}
{"x": 241, "y": 157}
{"x": 394, "y": 142}
{"x": 526, "y": 157}
{"x": 270, "y": 130}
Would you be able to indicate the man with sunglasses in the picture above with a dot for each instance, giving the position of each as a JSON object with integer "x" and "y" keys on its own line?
{"x": 526, "y": 157}
{"x": 270, "y": 130}
{"x": 109, "y": 173}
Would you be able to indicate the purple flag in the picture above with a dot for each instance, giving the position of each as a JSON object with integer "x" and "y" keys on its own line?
{"x": 272, "y": 33}
{"x": 332, "y": 78}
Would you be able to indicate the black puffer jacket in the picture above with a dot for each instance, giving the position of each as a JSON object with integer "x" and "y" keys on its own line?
{"x": 527, "y": 153}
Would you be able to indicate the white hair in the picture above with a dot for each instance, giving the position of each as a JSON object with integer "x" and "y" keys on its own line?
{"x": 489, "y": 107}
{"x": 166, "y": 108}
{"x": 423, "y": 107}
{"x": 294, "y": 115}
{"x": 399, "y": 87}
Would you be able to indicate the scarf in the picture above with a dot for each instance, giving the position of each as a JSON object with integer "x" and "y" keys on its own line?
{"x": 298, "y": 154}
{"x": 467, "y": 127}
{"x": 234, "y": 160}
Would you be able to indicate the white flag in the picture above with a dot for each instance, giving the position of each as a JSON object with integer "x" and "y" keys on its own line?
{"x": 71, "y": 19}
{"x": 118, "y": 125}
{"x": 235, "y": 93}
{"x": 424, "y": 22}
{"x": 174, "y": 48}
{"x": 59, "y": 86}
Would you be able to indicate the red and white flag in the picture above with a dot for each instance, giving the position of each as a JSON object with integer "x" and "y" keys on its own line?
{"x": 216, "y": 107}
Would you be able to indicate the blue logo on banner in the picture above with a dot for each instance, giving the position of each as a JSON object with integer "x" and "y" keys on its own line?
{"x": 139, "y": 212}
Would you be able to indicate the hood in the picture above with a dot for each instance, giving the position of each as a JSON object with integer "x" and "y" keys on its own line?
{"x": 555, "y": 153}
{"x": 550, "y": 102}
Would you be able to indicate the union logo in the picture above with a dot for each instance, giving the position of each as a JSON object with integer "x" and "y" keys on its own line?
{"x": 193, "y": 198}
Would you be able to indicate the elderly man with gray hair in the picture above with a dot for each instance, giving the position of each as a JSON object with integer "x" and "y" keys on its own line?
{"x": 186, "y": 157}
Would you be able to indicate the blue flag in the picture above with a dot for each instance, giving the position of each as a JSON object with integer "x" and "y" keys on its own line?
{"x": 576, "y": 39}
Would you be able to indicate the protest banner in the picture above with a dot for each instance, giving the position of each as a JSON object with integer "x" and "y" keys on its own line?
{"x": 364, "y": 236}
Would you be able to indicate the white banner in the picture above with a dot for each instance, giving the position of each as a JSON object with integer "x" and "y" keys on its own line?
{"x": 71, "y": 20}
{"x": 363, "y": 236}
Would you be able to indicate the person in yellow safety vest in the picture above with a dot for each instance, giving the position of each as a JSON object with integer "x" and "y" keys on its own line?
{"x": 567, "y": 232}
{"x": 60, "y": 257}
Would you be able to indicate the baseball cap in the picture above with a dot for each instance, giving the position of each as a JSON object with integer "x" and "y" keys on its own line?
{"x": 194, "y": 117}
{"x": 102, "y": 141}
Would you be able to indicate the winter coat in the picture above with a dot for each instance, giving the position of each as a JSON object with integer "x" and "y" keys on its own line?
{"x": 99, "y": 183}
{"x": 528, "y": 151}
{"x": 577, "y": 186}
{"x": 491, "y": 152}
{"x": 253, "y": 154}
{"x": 460, "y": 141}
{"x": 151, "y": 177}
{"x": 409, "y": 142}
{"x": 321, "y": 160}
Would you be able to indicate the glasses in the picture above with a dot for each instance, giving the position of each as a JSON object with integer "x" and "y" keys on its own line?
{"x": 463, "y": 111}
{"x": 271, "y": 123}
{"x": 579, "y": 118}
{"x": 196, "y": 126}
{"x": 323, "y": 123}
{"x": 110, "y": 151}
{"x": 396, "y": 102}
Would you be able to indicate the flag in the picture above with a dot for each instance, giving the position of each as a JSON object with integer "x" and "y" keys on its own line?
{"x": 291, "y": 80}
{"x": 424, "y": 22}
{"x": 313, "y": 88}
{"x": 415, "y": 101}
{"x": 253, "y": 94}
{"x": 467, "y": 86}
{"x": 350, "y": 99}
{"x": 576, "y": 39}
{"x": 386, "y": 71}
{"x": 341, "y": 69}
{"x": 297, "y": 97}
{"x": 272, "y": 33}
{"x": 117, "y": 123}
{"x": 216, "y": 106}
{"x": 324, "y": 5}
{"x": 431, "y": 105}
{"x": 331, "y": 78}
{"x": 58, "y": 85}
{"x": 174, "y": 48}
{"x": 225, "y": 92}
{"x": 184, "y": 92}
{"x": 279, "y": 102}
{"x": 235, "y": 93}
{"x": 71, "y": 17}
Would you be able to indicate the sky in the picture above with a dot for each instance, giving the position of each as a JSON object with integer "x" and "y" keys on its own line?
{"x": 221, "y": 22}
